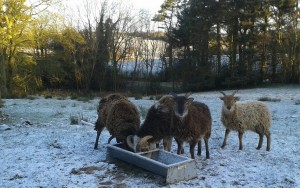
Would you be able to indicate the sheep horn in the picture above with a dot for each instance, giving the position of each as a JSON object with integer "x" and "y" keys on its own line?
{"x": 223, "y": 93}
{"x": 129, "y": 141}
{"x": 144, "y": 140}
{"x": 173, "y": 94}
{"x": 234, "y": 92}
{"x": 188, "y": 94}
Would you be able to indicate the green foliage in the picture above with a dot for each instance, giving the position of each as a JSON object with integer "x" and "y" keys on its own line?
{"x": 137, "y": 96}
{"x": 25, "y": 79}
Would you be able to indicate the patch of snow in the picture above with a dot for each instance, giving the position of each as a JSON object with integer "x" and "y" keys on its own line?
{"x": 42, "y": 149}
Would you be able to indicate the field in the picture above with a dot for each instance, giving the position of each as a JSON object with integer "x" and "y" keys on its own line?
{"x": 40, "y": 147}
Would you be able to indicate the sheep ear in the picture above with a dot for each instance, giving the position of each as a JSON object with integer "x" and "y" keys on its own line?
{"x": 188, "y": 94}
{"x": 190, "y": 100}
{"x": 222, "y": 93}
{"x": 163, "y": 108}
{"x": 173, "y": 94}
{"x": 129, "y": 141}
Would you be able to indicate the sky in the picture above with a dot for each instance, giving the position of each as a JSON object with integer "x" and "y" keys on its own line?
{"x": 71, "y": 7}
{"x": 152, "y": 5}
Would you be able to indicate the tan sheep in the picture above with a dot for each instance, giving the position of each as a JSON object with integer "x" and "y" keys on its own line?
{"x": 243, "y": 116}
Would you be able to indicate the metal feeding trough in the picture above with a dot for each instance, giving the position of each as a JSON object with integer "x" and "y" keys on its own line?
{"x": 173, "y": 167}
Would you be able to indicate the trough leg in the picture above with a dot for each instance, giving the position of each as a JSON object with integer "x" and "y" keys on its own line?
{"x": 225, "y": 138}
{"x": 241, "y": 140}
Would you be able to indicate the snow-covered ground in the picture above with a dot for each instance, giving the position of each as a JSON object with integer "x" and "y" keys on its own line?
{"x": 40, "y": 148}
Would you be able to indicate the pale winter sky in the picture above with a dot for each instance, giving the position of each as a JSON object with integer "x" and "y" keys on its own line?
{"x": 152, "y": 5}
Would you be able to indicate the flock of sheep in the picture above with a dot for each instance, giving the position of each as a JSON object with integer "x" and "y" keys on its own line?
{"x": 181, "y": 118}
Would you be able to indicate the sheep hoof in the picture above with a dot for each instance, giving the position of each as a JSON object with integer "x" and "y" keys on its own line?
{"x": 258, "y": 148}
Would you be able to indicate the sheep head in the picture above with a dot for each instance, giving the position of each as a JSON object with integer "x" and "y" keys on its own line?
{"x": 138, "y": 144}
{"x": 229, "y": 101}
{"x": 181, "y": 104}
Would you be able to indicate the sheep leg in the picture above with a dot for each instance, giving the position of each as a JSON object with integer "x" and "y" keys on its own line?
{"x": 110, "y": 138}
{"x": 180, "y": 147}
{"x": 241, "y": 140}
{"x": 97, "y": 139}
{"x": 167, "y": 142}
{"x": 225, "y": 138}
{"x": 268, "y": 135}
{"x": 199, "y": 148}
{"x": 192, "y": 149}
{"x": 261, "y": 137}
{"x": 206, "y": 147}
{"x": 98, "y": 135}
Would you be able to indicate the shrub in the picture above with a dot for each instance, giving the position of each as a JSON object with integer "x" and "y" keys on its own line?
{"x": 269, "y": 99}
{"x": 138, "y": 96}
{"x": 1, "y": 103}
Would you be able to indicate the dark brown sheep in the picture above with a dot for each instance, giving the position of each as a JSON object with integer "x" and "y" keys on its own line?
{"x": 177, "y": 116}
{"x": 156, "y": 126}
{"x": 105, "y": 105}
{"x": 192, "y": 122}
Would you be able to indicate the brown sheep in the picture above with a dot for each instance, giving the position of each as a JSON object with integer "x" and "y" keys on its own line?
{"x": 192, "y": 122}
{"x": 156, "y": 126}
{"x": 123, "y": 119}
{"x": 176, "y": 116}
{"x": 103, "y": 109}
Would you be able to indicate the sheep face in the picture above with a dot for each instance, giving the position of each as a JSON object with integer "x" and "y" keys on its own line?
{"x": 229, "y": 102}
{"x": 181, "y": 105}
{"x": 138, "y": 144}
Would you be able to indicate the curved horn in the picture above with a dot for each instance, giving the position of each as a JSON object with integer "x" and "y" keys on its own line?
{"x": 173, "y": 94}
{"x": 223, "y": 93}
{"x": 129, "y": 141}
{"x": 144, "y": 140}
{"x": 234, "y": 92}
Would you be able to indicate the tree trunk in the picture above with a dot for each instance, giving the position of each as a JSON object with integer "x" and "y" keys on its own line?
{"x": 3, "y": 80}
